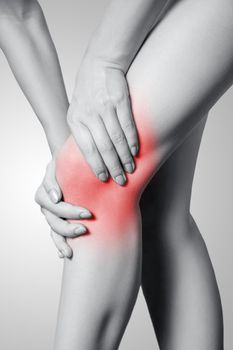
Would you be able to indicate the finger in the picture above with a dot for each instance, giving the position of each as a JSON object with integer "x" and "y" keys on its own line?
{"x": 60, "y": 255}
{"x": 89, "y": 150}
{"x": 118, "y": 139}
{"x": 63, "y": 247}
{"x": 62, "y": 209}
{"x": 107, "y": 151}
{"x": 63, "y": 227}
{"x": 127, "y": 123}
{"x": 50, "y": 183}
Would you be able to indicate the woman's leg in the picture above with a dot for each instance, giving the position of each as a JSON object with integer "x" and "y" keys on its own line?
{"x": 192, "y": 67}
{"x": 99, "y": 289}
{"x": 177, "y": 276}
{"x": 182, "y": 69}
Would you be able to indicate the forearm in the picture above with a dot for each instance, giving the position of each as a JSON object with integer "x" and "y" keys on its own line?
{"x": 123, "y": 29}
{"x": 31, "y": 54}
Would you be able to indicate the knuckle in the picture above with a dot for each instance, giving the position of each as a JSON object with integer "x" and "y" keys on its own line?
{"x": 75, "y": 114}
{"x": 106, "y": 147}
{"x": 67, "y": 227}
{"x": 128, "y": 125}
{"x": 120, "y": 97}
{"x": 89, "y": 149}
{"x": 117, "y": 137}
{"x": 107, "y": 103}
{"x": 102, "y": 101}
{"x": 126, "y": 158}
{"x": 70, "y": 113}
{"x": 115, "y": 170}
{"x": 73, "y": 120}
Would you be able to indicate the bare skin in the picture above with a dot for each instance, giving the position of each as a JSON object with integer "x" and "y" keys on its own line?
{"x": 179, "y": 73}
{"x": 178, "y": 81}
{"x": 100, "y": 116}
{"x": 100, "y": 111}
{"x": 21, "y": 24}
{"x": 176, "y": 269}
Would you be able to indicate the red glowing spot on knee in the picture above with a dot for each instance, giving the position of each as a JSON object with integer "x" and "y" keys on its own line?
{"x": 111, "y": 204}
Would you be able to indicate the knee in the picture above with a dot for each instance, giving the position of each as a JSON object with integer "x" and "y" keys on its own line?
{"x": 114, "y": 207}
{"x": 115, "y": 219}
{"x": 17, "y": 9}
{"x": 172, "y": 229}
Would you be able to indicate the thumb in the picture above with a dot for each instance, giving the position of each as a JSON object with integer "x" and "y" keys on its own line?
{"x": 50, "y": 183}
{"x": 55, "y": 195}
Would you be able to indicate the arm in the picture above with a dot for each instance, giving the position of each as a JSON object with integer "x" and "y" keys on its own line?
{"x": 124, "y": 27}
{"x": 100, "y": 116}
{"x": 28, "y": 47}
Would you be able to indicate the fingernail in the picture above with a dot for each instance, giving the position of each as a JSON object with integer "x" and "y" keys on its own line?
{"x": 66, "y": 253}
{"x": 134, "y": 150}
{"x": 69, "y": 255}
{"x": 80, "y": 230}
{"x": 129, "y": 167}
{"x": 85, "y": 215}
{"x": 53, "y": 195}
{"x": 103, "y": 176}
{"x": 60, "y": 254}
{"x": 120, "y": 179}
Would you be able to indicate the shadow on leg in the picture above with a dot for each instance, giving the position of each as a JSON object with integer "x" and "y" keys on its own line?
{"x": 177, "y": 276}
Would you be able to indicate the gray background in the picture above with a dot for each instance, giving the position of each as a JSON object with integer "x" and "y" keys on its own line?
{"x": 30, "y": 271}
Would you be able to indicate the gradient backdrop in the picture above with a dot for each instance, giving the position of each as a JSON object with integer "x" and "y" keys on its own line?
{"x": 30, "y": 270}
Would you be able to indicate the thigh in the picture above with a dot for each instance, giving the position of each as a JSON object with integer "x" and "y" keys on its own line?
{"x": 165, "y": 203}
{"x": 182, "y": 69}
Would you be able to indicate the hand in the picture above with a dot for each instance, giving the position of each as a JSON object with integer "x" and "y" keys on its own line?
{"x": 101, "y": 120}
{"x": 49, "y": 196}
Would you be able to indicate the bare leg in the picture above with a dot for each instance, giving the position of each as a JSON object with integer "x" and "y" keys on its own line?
{"x": 99, "y": 288}
{"x": 182, "y": 69}
{"x": 177, "y": 276}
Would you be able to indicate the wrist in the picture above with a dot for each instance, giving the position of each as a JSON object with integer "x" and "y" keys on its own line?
{"x": 56, "y": 137}
{"x": 102, "y": 58}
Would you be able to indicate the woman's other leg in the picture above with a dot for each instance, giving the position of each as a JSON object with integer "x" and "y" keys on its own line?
{"x": 177, "y": 276}
{"x": 185, "y": 65}
{"x": 183, "y": 68}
